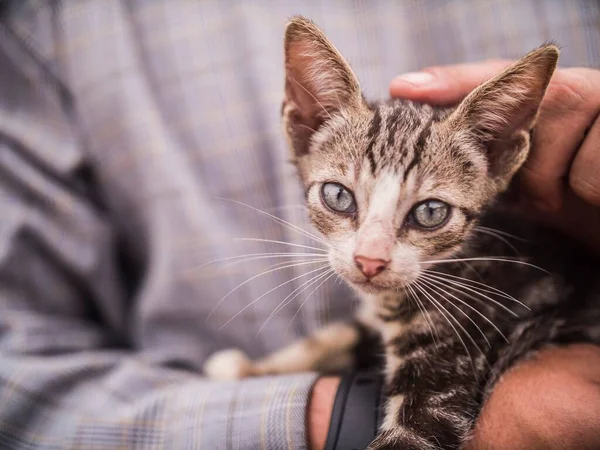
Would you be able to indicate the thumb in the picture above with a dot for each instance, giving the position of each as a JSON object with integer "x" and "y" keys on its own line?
{"x": 445, "y": 85}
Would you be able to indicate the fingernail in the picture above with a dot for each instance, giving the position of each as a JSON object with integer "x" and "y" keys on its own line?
{"x": 416, "y": 78}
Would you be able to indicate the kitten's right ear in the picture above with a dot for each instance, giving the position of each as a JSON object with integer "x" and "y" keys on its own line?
{"x": 318, "y": 82}
{"x": 501, "y": 112}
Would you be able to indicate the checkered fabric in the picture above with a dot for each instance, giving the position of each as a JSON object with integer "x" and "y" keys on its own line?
{"x": 123, "y": 126}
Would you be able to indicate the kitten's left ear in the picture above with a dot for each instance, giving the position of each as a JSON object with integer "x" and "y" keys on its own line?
{"x": 501, "y": 113}
{"x": 318, "y": 82}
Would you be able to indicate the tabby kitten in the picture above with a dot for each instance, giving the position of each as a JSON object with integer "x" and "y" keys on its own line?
{"x": 409, "y": 199}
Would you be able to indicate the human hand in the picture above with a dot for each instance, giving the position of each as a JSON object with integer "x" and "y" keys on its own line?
{"x": 320, "y": 408}
{"x": 560, "y": 181}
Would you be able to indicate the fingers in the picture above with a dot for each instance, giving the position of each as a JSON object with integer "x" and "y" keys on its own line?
{"x": 584, "y": 177}
{"x": 520, "y": 414}
{"x": 445, "y": 85}
{"x": 570, "y": 106}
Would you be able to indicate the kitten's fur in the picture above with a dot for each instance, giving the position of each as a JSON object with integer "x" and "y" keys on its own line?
{"x": 392, "y": 155}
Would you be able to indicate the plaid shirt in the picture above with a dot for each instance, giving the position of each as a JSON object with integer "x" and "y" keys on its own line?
{"x": 121, "y": 123}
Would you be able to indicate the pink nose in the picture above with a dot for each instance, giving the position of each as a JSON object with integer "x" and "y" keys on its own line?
{"x": 370, "y": 267}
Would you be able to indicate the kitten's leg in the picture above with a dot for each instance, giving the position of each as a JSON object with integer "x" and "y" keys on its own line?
{"x": 432, "y": 390}
{"x": 329, "y": 349}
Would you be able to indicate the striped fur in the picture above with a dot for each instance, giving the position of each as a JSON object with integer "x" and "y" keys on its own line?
{"x": 448, "y": 329}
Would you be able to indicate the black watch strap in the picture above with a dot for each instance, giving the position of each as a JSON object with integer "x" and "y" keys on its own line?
{"x": 357, "y": 412}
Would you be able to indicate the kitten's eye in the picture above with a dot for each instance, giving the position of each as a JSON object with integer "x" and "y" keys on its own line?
{"x": 430, "y": 214}
{"x": 338, "y": 198}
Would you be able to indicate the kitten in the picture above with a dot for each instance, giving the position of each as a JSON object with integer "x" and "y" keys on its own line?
{"x": 406, "y": 196}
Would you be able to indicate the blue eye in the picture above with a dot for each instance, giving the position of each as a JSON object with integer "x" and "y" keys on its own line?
{"x": 337, "y": 198}
{"x": 430, "y": 214}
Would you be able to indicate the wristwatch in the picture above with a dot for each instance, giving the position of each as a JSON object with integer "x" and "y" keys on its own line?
{"x": 357, "y": 411}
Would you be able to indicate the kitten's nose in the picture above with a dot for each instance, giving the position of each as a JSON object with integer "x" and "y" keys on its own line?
{"x": 370, "y": 267}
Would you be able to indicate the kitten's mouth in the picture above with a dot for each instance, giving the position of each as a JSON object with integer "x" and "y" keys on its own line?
{"x": 370, "y": 287}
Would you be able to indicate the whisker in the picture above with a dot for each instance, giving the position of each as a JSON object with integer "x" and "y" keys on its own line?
{"x": 478, "y": 290}
{"x": 462, "y": 287}
{"x": 283, "y": 243}
{"x": 440, "y": 285}
{"x": 272, "y": 266}
{"x": 285, "y": 223}
{"x": 307, "y": 127}
{"x": 255, "y": 255}
{"x": 442, "y": 293}
{"x": 424, "y": 312}
{"x": 485, "y": 258}
{"x": 428, "y": 315}
{"x": 253, "y": 278}
{"x": 503, "y": 233}
{"x": 484, "y": 287}
{"x": 500, "y": 238}
{"x": 459, "y": 324}
{"x": 472, "y": 269}
{"x": 306, "y": 300}
{"x": 286, "y": 207}
{"x": 461, "y": 290}
{"x": 313, "y": 97}
{"x": 437, "y": 305}
{"x": 295, "y": 259}
{"x": 287, "y": 300}
{"x": 266, "y": 293}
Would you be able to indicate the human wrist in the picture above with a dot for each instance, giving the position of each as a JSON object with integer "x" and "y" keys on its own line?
{"x": 351, "y": 425}
{"x": 320, "y": 407}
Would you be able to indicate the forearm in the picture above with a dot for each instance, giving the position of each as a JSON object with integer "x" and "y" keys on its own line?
{"x": 115, "y": 399}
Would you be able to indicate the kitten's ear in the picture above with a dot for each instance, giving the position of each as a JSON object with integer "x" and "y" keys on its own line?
{"x": 501, "y": 113}
{"x": 318, "y": 82}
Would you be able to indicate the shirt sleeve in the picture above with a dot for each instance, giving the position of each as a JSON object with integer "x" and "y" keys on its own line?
{"x": 67, "y": 381}
{"x": 68, "y": 376}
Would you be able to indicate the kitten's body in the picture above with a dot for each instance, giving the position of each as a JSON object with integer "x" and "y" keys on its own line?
{"x": 449, "y": 328}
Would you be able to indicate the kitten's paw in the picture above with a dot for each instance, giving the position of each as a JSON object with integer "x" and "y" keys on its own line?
{"x": 230, "y": 364}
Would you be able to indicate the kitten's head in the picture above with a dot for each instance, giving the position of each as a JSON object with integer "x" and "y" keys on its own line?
{"x": 394, "y": 185}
